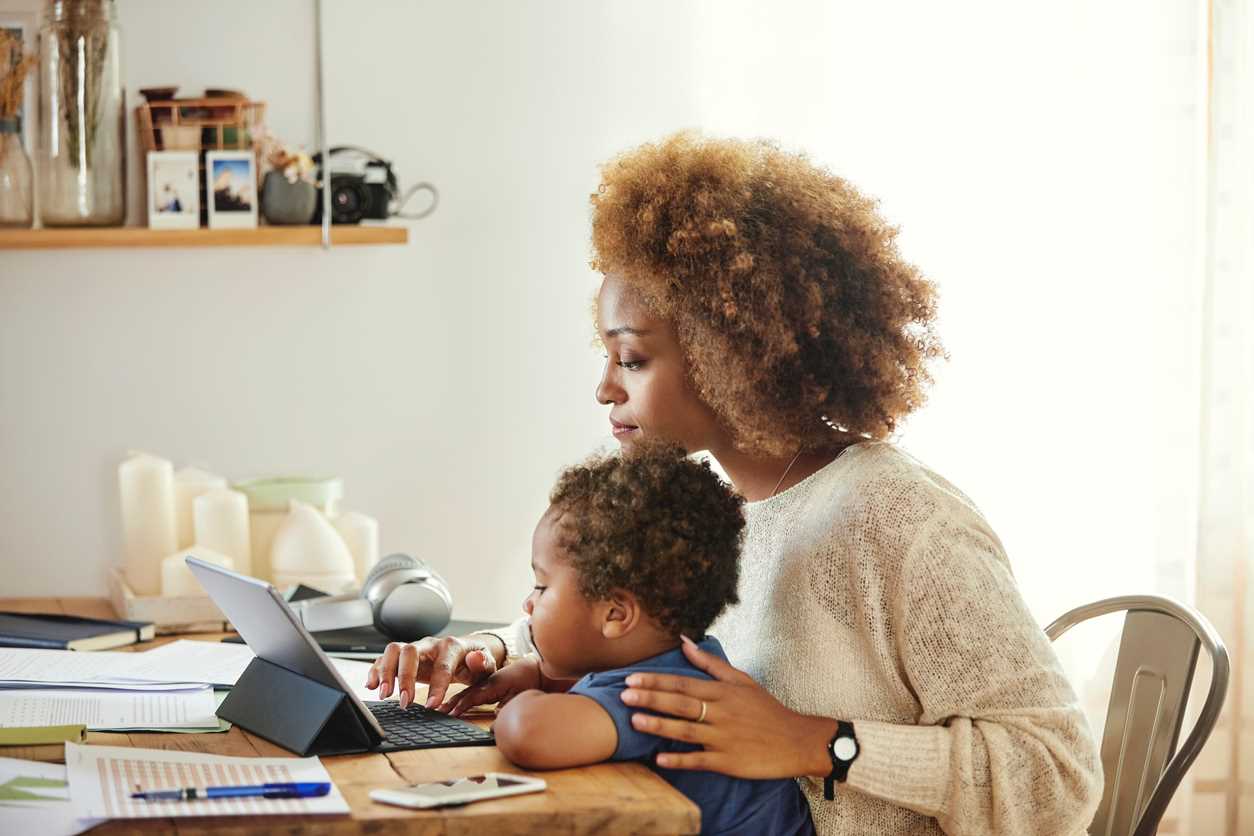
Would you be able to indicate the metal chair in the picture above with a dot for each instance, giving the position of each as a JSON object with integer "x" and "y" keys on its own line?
{"x": 1157, "y": 655}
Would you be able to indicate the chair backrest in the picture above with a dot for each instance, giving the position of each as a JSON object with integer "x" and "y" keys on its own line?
{"x": 1157, "y": 654}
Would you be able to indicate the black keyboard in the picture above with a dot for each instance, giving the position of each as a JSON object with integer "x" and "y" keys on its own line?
{"x": 418, "y": 727}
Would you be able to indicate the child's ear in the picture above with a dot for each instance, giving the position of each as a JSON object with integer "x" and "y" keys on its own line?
{"x": 621, "y": 614}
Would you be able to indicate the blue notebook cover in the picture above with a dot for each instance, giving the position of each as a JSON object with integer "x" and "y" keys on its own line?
{"x": 52, "y": 631}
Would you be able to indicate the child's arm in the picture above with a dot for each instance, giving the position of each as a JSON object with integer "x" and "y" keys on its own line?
{"x": 549, "y": 731}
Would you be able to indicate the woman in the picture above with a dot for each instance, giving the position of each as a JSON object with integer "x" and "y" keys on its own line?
{"x": 755, "y": 306}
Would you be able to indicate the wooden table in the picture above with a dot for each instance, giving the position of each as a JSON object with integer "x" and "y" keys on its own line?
{"x": 606, "y": 798}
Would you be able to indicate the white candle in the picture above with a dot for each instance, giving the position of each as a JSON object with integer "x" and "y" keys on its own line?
{"x": 189, "y": 483}
{"x": 220, "y": 520}
{"x": 146, "y": 485}
{"x": 177, "y": 579}
{"x": 361, "y": 535}
{"x": 307, "y": 549}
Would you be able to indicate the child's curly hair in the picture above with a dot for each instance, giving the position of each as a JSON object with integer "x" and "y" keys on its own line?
{"x": 657, "y": 524}
{"x": 792, "y": 304}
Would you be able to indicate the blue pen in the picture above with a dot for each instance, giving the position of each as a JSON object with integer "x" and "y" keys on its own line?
{"x": 311, "y": 789}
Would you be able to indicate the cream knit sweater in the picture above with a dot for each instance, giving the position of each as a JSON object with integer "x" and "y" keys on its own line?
{"x": 874, "y": 591}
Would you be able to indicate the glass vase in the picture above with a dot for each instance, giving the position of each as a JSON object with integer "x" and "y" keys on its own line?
{"x": 16, "y": 187}
{"x": 82, "y": 126}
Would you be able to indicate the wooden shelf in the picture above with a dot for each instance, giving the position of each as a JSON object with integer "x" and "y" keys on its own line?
{"x": 135, "y": 236}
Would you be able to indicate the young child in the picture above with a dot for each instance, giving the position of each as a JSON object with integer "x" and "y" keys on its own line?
{"x": 634, "y": 552}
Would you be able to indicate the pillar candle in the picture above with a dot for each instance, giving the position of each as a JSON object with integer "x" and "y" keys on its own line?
{"x": 189, "y": 483}
{"x": 146, "y": 485}
{"x": 177, "y": 579}
{"x": 220, "y": 520}
{"x": 361, "y": 535}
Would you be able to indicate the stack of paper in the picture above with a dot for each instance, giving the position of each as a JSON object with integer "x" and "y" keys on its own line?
{"x": 164, "y": 689}
{"x": 100, "y": 709}
{"x": 23, "y": 668}
{"x": 56, "y": 687}
{"x": 221, "y": 665}
{"x": 175, "y": 666}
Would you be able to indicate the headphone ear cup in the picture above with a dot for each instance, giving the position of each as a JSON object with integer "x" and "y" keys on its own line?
{"x": 387, "y": 564}
{"x": 412, "y": 611}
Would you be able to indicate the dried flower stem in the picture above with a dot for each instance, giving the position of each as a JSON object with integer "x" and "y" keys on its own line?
{"x": 14, "y": 65}
{"x": 82, "y": 45}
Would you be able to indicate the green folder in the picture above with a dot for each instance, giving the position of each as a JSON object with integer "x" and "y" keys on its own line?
{"x": 36, "y": 735}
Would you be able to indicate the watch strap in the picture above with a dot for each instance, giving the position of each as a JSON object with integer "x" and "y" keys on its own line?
{"x": 840, "y": 767}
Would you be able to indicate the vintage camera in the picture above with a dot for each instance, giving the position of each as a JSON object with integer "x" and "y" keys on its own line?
{"x": 363, "y": 186}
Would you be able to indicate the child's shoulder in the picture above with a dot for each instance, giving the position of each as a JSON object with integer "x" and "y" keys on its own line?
{"x": 670, "y": 662}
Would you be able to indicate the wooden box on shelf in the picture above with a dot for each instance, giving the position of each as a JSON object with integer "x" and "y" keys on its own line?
{"x": 185, "y": 614}
{"x": 200, "y": 125}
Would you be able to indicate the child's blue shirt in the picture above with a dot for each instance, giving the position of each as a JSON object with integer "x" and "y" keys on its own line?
{"x": 728, "y": 805}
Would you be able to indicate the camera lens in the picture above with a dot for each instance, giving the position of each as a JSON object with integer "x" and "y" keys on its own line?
{"x": 348, "y": 200}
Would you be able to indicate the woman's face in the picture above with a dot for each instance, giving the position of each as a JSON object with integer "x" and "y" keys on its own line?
{"x": 645, "y": 382}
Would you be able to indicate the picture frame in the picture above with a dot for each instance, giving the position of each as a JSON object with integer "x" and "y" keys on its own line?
{"x": 173, "y": 190}
{"x": 231, "y": 189}
{"x": 24, "y": 25}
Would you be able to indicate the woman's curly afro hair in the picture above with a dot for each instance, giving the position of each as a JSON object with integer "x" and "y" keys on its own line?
{"x": 657, "y": 524}
{"x": 791, "y": 302}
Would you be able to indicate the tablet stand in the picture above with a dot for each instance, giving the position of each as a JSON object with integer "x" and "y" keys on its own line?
{"x": 294, "y": 711}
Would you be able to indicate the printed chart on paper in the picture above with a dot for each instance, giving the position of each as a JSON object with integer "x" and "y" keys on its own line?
{"x": 103, "y": 777}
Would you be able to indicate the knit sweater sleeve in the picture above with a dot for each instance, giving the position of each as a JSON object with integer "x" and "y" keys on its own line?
{"x": 1001, "y": 745}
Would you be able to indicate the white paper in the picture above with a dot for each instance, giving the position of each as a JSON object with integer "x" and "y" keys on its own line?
{"x": 103, "y": 777}
{"x": 176, "y": 666}
{"x": 222, "y": 664}
{"x": 213, "y": 663}
{"x": 21, "y": 667}
{"x": 355, "y": 674}
{"x": 99, "y": 709}
{"x": 47, "y": 810}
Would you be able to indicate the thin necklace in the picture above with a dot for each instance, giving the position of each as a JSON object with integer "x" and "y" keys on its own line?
{"x": 785, "y": 475}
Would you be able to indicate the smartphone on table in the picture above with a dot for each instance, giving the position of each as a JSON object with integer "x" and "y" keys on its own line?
{"x": 460, "y": 790}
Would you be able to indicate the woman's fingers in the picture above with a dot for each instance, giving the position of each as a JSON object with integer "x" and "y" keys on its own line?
{"x": 407, "y": 674}
{"x": 701, "y": 689}
{"x": 480, "y": 663}
{"x": 447, "y": 657}
{"x": 383, "y": 671}
{"x": 704, "y": 761}
{"x": 682, "y": 730}
{"x": 374, "y": 677}
{"x": 676, "y": 705}
{"x": 711, "y": 664}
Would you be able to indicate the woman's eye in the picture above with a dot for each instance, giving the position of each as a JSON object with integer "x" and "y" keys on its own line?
{"x": 630, "y": 365}
{"x": 539, "y": 589}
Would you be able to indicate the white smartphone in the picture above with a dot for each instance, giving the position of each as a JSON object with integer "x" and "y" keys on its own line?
{"x": 460, "y": 790}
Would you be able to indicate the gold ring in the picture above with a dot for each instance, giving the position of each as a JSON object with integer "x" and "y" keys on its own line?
{"x": 701, "y": 719}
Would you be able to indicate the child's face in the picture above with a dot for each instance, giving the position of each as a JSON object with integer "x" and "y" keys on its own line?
{"x": 565, "y": 626}
{"x": 645, "y": 382}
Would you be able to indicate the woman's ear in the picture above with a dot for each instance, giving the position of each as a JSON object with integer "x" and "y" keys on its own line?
{"x": 620, "y": 615}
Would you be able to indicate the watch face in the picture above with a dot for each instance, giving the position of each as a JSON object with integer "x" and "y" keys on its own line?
{"x": 844, "y": 748}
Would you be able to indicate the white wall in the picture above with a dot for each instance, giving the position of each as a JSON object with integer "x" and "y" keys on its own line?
{"x": 1041, "y": 162}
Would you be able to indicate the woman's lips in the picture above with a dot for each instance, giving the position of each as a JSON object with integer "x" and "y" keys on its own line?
{"x": 622, "y": 429}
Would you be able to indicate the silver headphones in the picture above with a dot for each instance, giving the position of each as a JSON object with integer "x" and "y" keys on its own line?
{"x": 403, "y": 598}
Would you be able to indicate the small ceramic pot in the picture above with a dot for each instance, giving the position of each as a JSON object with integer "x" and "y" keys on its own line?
{"x": 287, "y": 203}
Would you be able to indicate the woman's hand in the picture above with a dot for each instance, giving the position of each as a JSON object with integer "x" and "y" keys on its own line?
{"x": 437, "y": 661}
{"x": 500, "y": 687}
{"x": 746, "y": 732}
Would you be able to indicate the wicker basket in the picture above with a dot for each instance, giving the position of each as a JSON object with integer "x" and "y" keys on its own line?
{"x": 199, "y": 125}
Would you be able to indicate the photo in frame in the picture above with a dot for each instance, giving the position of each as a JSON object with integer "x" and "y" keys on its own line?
{"x": 173, "y": 190}
{"x": 231, "y": 189}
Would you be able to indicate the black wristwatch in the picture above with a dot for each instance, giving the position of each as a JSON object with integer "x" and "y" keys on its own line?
{"x": 843, "y": 749}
